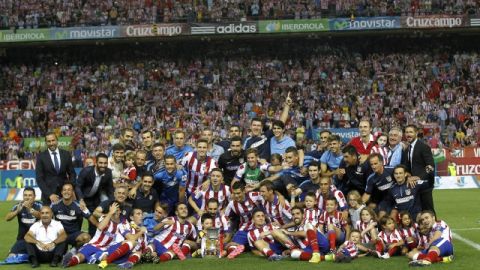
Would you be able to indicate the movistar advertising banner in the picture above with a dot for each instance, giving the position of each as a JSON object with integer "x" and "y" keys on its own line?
{"x": 364, "y": 23}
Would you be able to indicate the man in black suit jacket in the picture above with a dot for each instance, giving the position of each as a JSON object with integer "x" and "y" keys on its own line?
{"x": 419, "y": 161}
{"x": 92, "y": 182}
{"x": 54, "y": 167}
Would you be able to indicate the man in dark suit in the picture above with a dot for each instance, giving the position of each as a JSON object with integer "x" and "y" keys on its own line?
{"x": 94, "y": 182}
{"x": 419, "y": 161}
{"x": 54, "y": 167}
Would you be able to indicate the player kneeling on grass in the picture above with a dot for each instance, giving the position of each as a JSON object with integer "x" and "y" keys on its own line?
{"x": 312, "y": 244}
{"x": 128, "y": 252}
{"x": 173, "y": 237}
{"x": 439, "y": 247}
{"x": 261, "y": 240}
{"x": 108, "y": 230}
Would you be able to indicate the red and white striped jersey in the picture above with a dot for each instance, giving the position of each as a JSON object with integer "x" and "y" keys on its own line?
{"x": 301, "y": 242}
{"x": 390, "y": 237}
{"x": 411, "y": 231}
{"x": 382, "y": 151}
{"x": 311, "y": 216}
{"x": 276, "y": 212}
{"x": 254, "y": 234}
{"x": 442, "y": 227}
{"x": 197, "y": 171}
{"x": 334, "y": 192}
{"x": 221, "y": 222}
{"x": 361, "y": 226}
{"x": 335, "y": 218}
{"x": 112, "y": 234}
{"x": 176, "y": 233}
{"x": 244, "y": 209}
{"x": 422, "y": 241}
{"x": 351, "y": 248}
{"x": 222, "y": 196}
{"x": 142, "y": 242}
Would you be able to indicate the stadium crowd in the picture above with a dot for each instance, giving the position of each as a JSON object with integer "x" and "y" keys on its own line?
{"x": 93, "y": 100}
{"x": 213, "y": 148}
{"x": 39, "y": 14}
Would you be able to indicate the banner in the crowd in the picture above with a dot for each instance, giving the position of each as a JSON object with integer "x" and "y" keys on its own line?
{"x": 474, "y": 22}
{"x": 72, "y": 33}
{"x": 456, "y": 182}
{"x": 17, "y": 178}
{"x": 224, "y": 28}
{"x": 293, "y": 26}
{"x": 464, "y": 161}
{"x": 22, "y": 164}
{"x": 16, "y": 194}
{"x": 346, "y": 134}
{"x": 364, "y": 23}
{"x": 25, "y": 35}
{"x": 434, "y": 21}
{"x": 156, "y": 30}
{"x": 38, "y": 144}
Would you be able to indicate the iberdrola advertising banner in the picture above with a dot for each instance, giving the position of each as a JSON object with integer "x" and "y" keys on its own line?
{"x": 293, "y": 26}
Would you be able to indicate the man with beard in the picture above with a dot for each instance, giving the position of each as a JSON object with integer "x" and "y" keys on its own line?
{"x": 352, "y": 173}
{"x": 53, "y": 168}
{"x": 261, "y": 141}
{"x": 146, "y": 197}
{"x": 231, "y": 160}
{"x": 92, "y": 182}
{"x": 234, "y": 131}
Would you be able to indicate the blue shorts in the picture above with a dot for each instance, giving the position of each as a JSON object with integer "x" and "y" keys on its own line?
{"x": 159, "y": 247}
{"x": 72, "y": 238}
{"x": 444, "y": 245}
{"x": 276, "y": 247}
{"x": 122, "y": 259}
{"x": 323, "y": 244}
{"x": 241, "y": 237}
{"x": 20, "y": 247}
{"x": 89, "y": 250}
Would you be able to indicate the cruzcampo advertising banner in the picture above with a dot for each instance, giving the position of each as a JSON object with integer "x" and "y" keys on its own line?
{"x": 38, "y": 144}
{"x": 293, "y": 26}
{"x": 364, "y": 23}
{"x": 24, "y": 35}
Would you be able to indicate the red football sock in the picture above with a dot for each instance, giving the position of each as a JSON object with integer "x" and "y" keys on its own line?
{"x": 165, "y": 257}
{"x": 312, "y": 239}
{"x": 332, "y": 239}
{"x": 118, "y": 253}
{"x": 432, "y": 256}
{"x": 73, "y": 261}
{"x": 267, "y": 252}
{"x": 305, "y": 256}
{"x": 134, "y": 258}
{"x": 379, "y": 246}
{"x": 421, "y": 256}
{"x": 185, "y": 249}
{"x": 392, "y": 251}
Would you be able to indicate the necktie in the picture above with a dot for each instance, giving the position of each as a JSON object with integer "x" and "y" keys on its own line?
{"x": 55, "y": 162}
{"x": 409, "y": 155}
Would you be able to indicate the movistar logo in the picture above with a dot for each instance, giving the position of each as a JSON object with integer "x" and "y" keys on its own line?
{"x": 61, "y": 35}
{"x": 340, "y": 25}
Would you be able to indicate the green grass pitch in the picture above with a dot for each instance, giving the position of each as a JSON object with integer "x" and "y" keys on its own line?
{"x": 459, "y": 208}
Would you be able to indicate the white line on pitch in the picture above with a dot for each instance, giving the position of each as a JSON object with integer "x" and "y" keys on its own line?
{"x": 466, "y": 241}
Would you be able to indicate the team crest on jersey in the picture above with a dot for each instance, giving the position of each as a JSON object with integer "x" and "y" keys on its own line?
{"x": 359, "y": 169}
{"x": 150, "y": 197}
{"x": 72, "y": 212}
{"x": 124, "y": 212}
{"x": 389, "y": 178}
{"x": 408, "y": 192}
{"x": 241, "y": 160}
